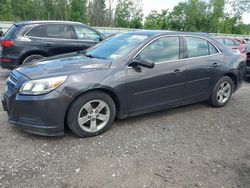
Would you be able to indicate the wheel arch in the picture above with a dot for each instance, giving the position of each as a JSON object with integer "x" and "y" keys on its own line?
{"x": 33, "y": 52}
{"x": 109, "y": 92}
{"x": 234, "y": 79}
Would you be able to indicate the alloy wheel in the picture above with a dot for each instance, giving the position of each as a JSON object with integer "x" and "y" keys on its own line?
{"x": 224, "y": 92}
{"x": 94, "y": 116}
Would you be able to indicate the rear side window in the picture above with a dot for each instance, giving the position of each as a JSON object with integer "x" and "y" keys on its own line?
{"x": 196, "y": 47}
{"x": 229, "y": 42}
{"x": 59, "y": 31}
{"x": 11, "y": 31}
{"x": 220, "y": 40}
{"x": 163, "y": 49}
{"x": 36, "y": 31}
{"x": 237, "y": 43}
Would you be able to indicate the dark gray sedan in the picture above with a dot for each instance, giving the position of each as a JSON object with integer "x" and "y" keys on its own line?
{"x": 125, "y": 75}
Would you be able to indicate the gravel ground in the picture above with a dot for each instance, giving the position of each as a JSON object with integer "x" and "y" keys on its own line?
{"x": 191, "y": 146}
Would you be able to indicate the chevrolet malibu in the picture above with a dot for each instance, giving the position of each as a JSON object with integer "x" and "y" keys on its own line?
{"x": 125, "y": 75}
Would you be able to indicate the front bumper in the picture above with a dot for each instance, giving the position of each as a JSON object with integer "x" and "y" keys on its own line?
{"x": 42, "y": 115}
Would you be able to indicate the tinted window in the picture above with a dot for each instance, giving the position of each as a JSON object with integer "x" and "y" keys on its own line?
{"x": 36, "y": 31}
{"x": 117, "y": 47}
{"x": 212, "y": 49}
{"x": 229, "y": 42}
{"x": 220, "y": 40}
{"x": 196, "y": 47}
{"x": 163, "y": 49}
{"x": 237, "y": 43}
{"x": 84, "y": 33}
{"x": 59, "y": 31}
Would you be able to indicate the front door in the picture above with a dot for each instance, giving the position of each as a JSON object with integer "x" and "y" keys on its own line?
{"x": 161, "y": 86}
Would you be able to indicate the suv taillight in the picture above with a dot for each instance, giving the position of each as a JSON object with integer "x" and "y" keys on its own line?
{"x": 7, "y": 43}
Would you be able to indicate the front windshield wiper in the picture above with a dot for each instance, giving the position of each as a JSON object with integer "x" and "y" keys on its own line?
{"x": 89, "y": 55}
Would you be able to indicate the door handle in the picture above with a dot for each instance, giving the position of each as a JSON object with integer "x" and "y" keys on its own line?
{"x": 215, "y": 64}
{"x": 177, "y": 71}
{"x": 48, "y": 44}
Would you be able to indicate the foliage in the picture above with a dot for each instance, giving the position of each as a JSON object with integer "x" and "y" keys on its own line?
{"x": 157, "y": 20}
{"x": 188, "y": 15}
{"x": 78, "y": 10}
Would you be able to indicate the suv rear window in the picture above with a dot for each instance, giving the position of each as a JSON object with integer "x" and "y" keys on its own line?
{"x": 11, "y": 31}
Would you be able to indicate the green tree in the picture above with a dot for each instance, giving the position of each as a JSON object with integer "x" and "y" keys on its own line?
{"x": 78, "y": 11}
{"x": 157, "y": 20}
{"x": 97, "y": 12}
{"x": 123, "y": 13}
{"x": 5, "y": 10}
{"x": 136, "y": 20}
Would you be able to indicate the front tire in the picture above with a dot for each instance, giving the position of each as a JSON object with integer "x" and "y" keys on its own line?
{"x": 91, "y": 114}
{"x": 222, "y": 92}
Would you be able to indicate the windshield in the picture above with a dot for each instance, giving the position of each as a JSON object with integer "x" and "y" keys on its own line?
{"x": 116, "y": 47}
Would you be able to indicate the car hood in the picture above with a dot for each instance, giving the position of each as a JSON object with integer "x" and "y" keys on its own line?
{"x": 62, "y": 65}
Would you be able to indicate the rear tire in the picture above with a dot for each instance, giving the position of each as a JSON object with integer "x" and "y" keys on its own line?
{"x": 222, "y": 92}
{"x": 91, "y": 114}
{"x": 32, "y": 58}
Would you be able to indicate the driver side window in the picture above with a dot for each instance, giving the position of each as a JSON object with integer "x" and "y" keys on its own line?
{"x": 163, "y": 49}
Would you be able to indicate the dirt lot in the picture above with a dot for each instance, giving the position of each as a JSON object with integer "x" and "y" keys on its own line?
{"x": 192, "y": 146}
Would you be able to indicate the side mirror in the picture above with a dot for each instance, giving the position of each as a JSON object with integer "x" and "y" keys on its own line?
{"x": 1, "y": 33}
{"x": 137, "y": 62}
{"x": 101, "y": 38}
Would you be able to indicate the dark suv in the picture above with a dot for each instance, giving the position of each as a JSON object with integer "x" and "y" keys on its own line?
{"x": 29, "y": 41}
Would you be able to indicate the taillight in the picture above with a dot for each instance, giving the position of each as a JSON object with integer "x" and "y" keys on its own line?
{"x": 7, "y": 43}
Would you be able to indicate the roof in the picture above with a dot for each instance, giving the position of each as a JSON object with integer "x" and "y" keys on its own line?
{"x": 45, "y": 22}
{"x": 167, "y": 32}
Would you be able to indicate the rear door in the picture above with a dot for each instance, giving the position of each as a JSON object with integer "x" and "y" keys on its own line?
{"x": 202, "y": 64}
{"x": 87, "y": 37}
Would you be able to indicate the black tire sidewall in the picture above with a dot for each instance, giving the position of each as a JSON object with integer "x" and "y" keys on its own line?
{"x": 72, "y": 116}
{"x": 214, "y": 101}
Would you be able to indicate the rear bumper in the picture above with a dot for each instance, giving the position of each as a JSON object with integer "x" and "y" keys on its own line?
{"x": 12, "y": 64}
{"x": 42, "y": 115}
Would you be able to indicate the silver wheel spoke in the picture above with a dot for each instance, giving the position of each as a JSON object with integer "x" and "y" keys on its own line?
{"x": 88, "y": 107}
{"x": 220, "y": 98}
{"x": 93, "y": 126}
{"x": 100, "y": 106}
{"x": 83, "y": 120}
{"x": 103, "y": 117}
{"x": 226, "y": 88}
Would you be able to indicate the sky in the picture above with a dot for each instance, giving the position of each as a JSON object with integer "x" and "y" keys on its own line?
{"x": 149, "y": 5}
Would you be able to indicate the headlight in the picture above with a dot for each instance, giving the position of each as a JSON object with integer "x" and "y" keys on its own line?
{"x": 42, "y": 86}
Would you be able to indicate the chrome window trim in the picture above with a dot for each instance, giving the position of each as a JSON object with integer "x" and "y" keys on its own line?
{"x": 28, "y": 36}
{"x": 184, "y": 59}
